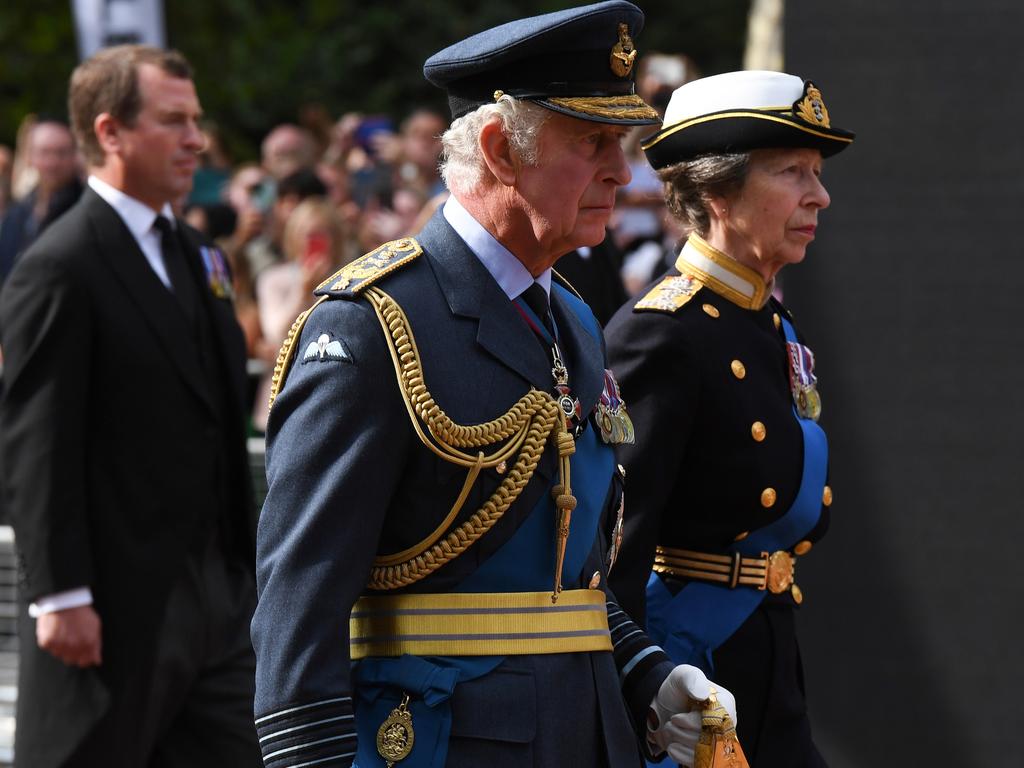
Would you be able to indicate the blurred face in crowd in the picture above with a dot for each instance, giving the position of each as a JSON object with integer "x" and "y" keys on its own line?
{"x": 287, "y": 149}
{"x": 52, "y": 154}
{"x": 569, "y": 194}
{"x": 771, "y": 220}
{"x": 421, "y": 139}
{"x": 158, "y": 151}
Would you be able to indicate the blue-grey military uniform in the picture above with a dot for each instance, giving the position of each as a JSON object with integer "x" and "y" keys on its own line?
{"x": 349, "y": 479}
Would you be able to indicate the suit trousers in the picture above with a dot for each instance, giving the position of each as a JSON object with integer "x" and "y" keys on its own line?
{"x": 197, "y": 711}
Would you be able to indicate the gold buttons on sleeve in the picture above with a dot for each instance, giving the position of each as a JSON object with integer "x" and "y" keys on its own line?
{"x": 742, "y": 536}
{"x": 757, "y": 431}
{"x": 768, "y": 497}
{"x": 826, "y": 496}
{"x": 738, "y": 369}
{"x": 802, "y": 548}
{"x": 776, "y": 319}
{"x": 710, "y": 309}
{"x": 798, "y": 596}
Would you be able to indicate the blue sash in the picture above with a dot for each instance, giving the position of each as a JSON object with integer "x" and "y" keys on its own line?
{"x": 701, "y": 616}
{"x": 525, "y": 563}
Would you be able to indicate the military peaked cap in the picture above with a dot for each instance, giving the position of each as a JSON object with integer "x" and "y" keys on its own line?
{"x": 580, "y": 62}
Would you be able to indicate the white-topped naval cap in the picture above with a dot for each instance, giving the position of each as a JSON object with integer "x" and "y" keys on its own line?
{"x": 754, "y": 89}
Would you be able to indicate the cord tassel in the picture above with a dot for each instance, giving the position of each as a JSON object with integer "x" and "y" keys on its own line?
{"x": 565, "y": 503}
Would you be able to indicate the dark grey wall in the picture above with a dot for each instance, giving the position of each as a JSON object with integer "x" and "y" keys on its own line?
{"x": 912, "y": 300}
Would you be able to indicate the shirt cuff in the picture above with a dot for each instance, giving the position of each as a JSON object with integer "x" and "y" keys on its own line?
{"x": 60, "y": 601}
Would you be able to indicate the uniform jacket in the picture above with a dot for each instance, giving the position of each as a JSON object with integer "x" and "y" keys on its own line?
{"x": 122, "y": 445}
{"x": 349, "y": 479}
{"x": 708, "y": 387}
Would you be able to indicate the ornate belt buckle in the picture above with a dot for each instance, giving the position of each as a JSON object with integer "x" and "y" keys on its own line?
{"x": 781, "y": 569}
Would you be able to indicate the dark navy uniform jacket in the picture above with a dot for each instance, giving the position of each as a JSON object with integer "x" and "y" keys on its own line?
{"x": 349, "y": 479}
{"x": 719, "y": 454}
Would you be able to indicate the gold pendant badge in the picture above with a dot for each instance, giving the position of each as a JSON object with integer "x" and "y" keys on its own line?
{"x": 395, "y": 736}
{"x": 623, "y": 53}
{"x": 717, "y": 746}
{"x": 811, "y": 108}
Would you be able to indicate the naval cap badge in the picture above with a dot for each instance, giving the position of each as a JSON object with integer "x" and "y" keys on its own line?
{"x": 811, "y": 108}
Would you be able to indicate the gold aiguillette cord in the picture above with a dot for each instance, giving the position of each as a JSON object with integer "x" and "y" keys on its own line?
{"x": 565, "y": 503}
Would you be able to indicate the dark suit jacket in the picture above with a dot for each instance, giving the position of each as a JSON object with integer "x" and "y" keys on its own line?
{"x": 122, "y": 451}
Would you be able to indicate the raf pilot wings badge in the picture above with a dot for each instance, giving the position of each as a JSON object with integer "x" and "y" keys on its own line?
{"x": 323, "y": 350}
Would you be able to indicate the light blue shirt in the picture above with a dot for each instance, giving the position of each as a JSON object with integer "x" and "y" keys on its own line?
{"x": 498, "y": 260}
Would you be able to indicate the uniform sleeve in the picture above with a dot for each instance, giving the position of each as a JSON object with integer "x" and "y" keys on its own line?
{"x": 654, "y": 366}
{"x": 46, "y": 325}
{"x": 337, "y": 435}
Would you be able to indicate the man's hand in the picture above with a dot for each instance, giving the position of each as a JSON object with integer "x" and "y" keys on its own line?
{"x": 675, "y": 716}
{"x": 73, "y": 635}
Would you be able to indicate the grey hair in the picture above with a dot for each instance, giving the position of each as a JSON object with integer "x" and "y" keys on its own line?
{"x": 462, "y": 166}
{"x": 690, "y": 185}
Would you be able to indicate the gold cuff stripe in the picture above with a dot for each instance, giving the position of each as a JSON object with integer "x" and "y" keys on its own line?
{"x": 726, "y": 115}
{"x": 630, "y": 107}
{"x": 479, "y": 624}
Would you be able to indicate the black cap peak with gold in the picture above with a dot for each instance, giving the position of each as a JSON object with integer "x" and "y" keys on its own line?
{"x": 580, "y": 62}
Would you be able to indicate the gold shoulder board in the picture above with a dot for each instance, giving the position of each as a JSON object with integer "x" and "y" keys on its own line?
{"x": 670, "y": 295}
{"x": 360, "y": 274}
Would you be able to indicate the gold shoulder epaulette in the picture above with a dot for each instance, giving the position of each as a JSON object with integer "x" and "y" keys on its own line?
{"x": 287, "y": 352}
{"x": 670, "y": 295}
{"x": 360, "y": 274}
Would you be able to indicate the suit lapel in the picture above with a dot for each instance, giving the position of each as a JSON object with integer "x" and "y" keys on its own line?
{"x": 156, "y": 304}
{"x": 472, "y": 292}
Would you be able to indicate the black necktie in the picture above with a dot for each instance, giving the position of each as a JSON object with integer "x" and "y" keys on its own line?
{"x": 537, "y": 299}
{"x": 182, "y": 284}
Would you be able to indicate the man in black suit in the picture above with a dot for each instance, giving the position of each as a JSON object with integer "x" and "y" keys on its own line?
{"x": 121, "y": 431}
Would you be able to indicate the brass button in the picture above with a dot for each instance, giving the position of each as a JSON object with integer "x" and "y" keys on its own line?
{"x": 742, "y": 536}
{"x": 711, "y": 310}
{"x": 595, "y": 580}
{"x": 776, "y": 319}
{"x": 502, "y": 466}
{"x": 738, "y": 369}
{"x": 798, "y": 595}
{"x": 758, "y": 431}
{"x": 826, "y": 496}
{"x": 767, "y": 497}
{"x": 802, "y": 548}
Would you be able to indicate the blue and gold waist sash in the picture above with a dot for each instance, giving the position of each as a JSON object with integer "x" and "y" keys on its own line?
{"x": 425, "y": 644}
{"x": 691, "y": 624}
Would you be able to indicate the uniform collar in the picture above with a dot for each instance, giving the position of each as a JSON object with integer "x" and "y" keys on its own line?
{"x": 503, "y": 265}
{"x": 723, "y": 274}
{"x": 137, "y": 216}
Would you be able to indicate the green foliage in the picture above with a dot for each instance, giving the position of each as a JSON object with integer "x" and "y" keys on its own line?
{"x": 258, "y": 62}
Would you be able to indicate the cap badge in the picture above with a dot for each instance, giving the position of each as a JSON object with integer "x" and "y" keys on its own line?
{"x": 811, "y": 107}
{"x": 623, "y": 53}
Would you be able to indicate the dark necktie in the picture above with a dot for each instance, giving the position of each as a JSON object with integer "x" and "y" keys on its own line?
{"x": 182, "y": 284}
{"x": 537, "y": 299}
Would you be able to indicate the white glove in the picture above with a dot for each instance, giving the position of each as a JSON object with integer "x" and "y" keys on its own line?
{"x": 675, "y": 716}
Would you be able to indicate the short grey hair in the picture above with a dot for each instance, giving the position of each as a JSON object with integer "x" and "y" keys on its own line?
{"x": 690, "y": 185}
{"x": 462, "y": 166}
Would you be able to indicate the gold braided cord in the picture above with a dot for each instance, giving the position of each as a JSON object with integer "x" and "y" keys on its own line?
{"x": 526, "y": 427}
{"x": 287, "y": 352}
{"x": 630, "y": 107}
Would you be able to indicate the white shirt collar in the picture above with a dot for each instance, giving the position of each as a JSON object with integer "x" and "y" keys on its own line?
{"x": 137, "y": 216}
{"x": 498, "y": 260}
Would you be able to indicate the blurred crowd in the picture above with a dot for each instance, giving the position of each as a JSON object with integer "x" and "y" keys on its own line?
{"x": 325, "y": 191}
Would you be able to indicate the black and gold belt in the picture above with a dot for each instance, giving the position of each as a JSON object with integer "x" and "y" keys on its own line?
{"x": 773, "y": 572}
